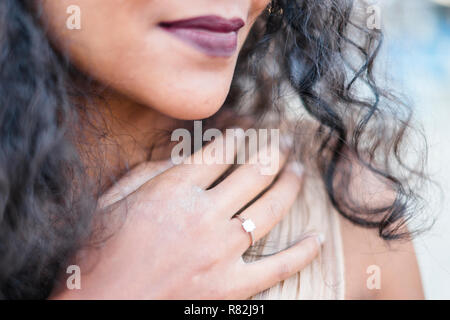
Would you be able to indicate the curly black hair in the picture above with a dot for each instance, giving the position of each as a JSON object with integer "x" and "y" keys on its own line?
{"x": 316, "y": 48}
{"x": 325, "y": 53}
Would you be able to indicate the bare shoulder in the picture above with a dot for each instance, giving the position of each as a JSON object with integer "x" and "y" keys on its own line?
{"x": 376, "y": 269}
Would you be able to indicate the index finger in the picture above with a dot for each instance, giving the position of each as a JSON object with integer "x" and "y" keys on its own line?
{"x": 133, "y": 180}
{"x": 206, "y": 165}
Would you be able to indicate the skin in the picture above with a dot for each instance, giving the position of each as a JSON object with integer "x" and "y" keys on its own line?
{"x": 195, "y": 251}
{"x": 161, "y": 64}
{"x": 166, "y": 249}
{"x": 363, "y": 248}
{"x": 400, "y": 274}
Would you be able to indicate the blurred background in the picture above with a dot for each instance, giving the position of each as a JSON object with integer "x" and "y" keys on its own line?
{"x": 417, "y": 53}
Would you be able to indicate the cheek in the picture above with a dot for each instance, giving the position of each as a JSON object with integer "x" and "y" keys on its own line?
{"x": 194, "y": 103}
{"x": 175, "y": 89}
{"x": 123, "y": 49}
{"x": 162, "y": 74}
{"x": 258, "y": 6}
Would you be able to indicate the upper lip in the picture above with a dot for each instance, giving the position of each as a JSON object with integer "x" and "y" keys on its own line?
{"x": 210, "y": 23}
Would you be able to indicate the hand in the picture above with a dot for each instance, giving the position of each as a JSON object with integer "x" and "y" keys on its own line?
{"x": 180, "y": 241}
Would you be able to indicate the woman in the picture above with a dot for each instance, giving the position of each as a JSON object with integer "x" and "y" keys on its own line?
{"x": 90, "y": 92}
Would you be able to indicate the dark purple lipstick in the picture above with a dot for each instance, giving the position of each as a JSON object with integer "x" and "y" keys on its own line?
{"x": 212, "y": 35}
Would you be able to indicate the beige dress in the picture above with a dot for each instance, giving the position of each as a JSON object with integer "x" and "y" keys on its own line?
{"x": 324, "y": 278}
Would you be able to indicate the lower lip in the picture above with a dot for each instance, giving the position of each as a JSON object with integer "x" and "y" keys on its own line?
{"x": 215, "y": 44}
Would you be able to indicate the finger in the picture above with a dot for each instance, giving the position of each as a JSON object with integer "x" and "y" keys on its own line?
{"x": 133, "y": 180}
{"x": 265, "y": 273}
{"x": 270, "y": 209}
{"x": 247, "y": 181}
{"x": 205, "y": 166}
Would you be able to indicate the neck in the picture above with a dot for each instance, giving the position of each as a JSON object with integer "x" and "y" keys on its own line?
{"x": 118, "y": 133}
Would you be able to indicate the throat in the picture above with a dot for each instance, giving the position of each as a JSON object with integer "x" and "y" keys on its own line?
{"x": 116, "y": 134}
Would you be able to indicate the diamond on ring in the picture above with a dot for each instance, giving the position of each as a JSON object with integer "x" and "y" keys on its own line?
{"x": 248, "y": 225}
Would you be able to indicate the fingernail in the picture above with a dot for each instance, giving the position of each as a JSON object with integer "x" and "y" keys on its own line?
{"x": 320, "y": 237}
{"x": 297, "y": 168}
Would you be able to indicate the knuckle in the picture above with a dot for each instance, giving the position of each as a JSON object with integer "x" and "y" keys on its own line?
{"x": 276, "y": 208}
{"x": 308, "y": 248}
{"x": 258, "y": 171}
{"x": 174, "y": 179}
{"x": 284, "y": 270}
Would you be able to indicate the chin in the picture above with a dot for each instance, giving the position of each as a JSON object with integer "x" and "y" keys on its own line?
{"x": 191, "y": 104}
{"x": 193, "y": 111}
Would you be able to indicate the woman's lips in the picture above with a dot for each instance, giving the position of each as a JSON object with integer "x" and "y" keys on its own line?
{"x": 213, "y": 35}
